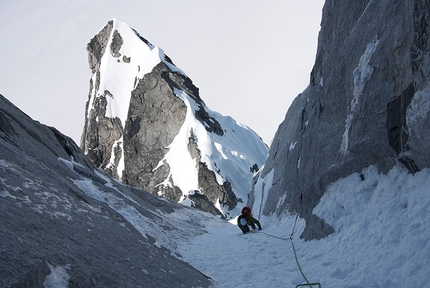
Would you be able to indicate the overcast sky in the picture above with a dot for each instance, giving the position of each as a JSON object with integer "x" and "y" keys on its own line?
{"x": 250, "y": 58}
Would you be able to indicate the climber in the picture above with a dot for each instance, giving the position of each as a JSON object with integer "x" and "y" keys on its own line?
{"x": 246, "y": 219}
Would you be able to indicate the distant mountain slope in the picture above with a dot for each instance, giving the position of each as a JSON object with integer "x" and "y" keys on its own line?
{"x": 367, "y": 103}
{"x": 147, "y": 125}
{"x": 62, "y": 217}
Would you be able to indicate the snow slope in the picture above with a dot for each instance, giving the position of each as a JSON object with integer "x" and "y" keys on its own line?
{"x": 381, "y": 240}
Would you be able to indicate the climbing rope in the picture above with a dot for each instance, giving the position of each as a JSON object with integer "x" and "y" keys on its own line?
{"x": 295, "y": 254}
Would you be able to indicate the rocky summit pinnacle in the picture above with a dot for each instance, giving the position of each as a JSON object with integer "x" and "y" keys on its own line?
{"x": 146, "y": 124}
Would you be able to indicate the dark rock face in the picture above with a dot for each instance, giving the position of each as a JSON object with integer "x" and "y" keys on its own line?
{"x": 50, "y": 217}
{"x": 97, "y": 46}
{"x": 361, "y": 107}
{"x": 104, "y": 139}
{"x": 154, "y": 119}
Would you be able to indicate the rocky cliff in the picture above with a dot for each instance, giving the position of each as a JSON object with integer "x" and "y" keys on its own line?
{"x": 147, "y": 125}
{"x": 61, "y": 219}
{"x": 367, "y": 103}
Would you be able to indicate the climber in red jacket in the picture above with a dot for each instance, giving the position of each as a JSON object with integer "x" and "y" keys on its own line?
{"x": 246, "y": 219}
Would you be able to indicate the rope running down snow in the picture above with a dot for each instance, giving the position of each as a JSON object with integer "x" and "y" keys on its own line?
{"x": 294, "y": 250}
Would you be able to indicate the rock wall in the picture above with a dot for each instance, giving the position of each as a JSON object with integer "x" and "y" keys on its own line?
{"x": 154, "y": 119}
{"x": 101, "y": 135}
{"x": 52, "y": 218}
{"x": 367, "y": 103}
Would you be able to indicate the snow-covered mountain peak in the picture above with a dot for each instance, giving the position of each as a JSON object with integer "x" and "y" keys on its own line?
{"x": 130, "y": 57}
{"x": 147, "y": 125}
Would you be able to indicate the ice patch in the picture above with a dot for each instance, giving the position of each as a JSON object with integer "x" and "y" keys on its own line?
{"x": 144, "y": 271}
{"x": 362, "y": 73}
{"x": 417, "y": 116}
{"x": 121, "y": 165}
{"x": 58, "y": 278}
{"x": 293, "y": 145}
{"x": 419, "y": 108}
{"x": 261, "y": 192}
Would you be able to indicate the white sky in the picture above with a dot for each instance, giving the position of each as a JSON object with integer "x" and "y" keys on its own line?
{"x": 249, "y": 58}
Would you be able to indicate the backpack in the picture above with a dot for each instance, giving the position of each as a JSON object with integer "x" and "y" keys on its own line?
{"x": 243, "y": 221}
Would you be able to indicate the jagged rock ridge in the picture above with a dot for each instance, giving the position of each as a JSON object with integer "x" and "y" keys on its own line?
{"x": 147, "y": 125}
{"x": 367, "y": 103}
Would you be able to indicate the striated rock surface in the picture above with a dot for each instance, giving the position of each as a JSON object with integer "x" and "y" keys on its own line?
{"x": 61, "y": 218}
{"x": 147, "y": 125}
{"x": 367, "y": 103}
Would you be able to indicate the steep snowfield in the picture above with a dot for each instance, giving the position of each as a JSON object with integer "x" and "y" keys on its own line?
{"x": 381, "y": 240}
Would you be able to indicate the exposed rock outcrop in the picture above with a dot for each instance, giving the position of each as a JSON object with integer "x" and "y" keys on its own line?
{"x": 60, "y": 215}
{"x": 154, "y": 119}
{"x": 367, "y": 103}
